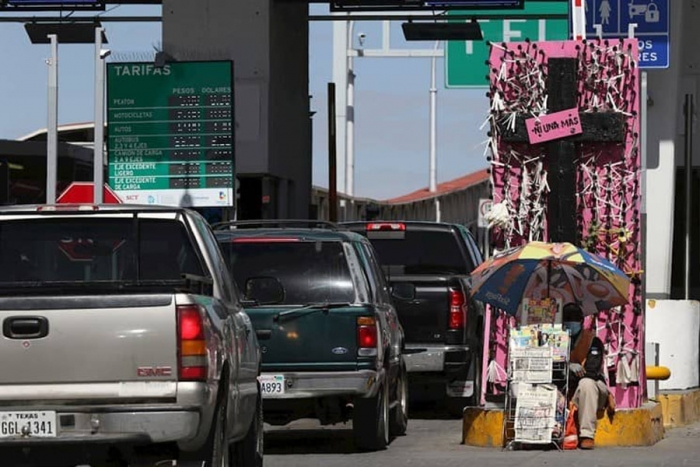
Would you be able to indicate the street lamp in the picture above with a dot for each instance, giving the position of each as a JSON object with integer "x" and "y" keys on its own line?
{"x": 344, "y": 53}
{"x": 66, "y": 33}
{"x": 99, "y": 126}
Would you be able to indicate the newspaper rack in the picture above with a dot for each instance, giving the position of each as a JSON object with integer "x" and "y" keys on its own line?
{"x": 537, "y": 384}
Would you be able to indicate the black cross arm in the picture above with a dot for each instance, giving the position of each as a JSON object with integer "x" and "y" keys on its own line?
{"x": 599, "y": 127}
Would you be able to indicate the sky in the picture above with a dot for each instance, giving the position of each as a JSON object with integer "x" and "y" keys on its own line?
{"x": 391, "y": 101}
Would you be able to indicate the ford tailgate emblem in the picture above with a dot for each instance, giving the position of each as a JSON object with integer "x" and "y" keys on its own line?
{"x": 340, "y": 350}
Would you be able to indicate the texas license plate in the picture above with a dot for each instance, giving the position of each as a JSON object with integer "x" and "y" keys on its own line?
{"x": 39, "y": 424}
{"x": 271, "y": 385}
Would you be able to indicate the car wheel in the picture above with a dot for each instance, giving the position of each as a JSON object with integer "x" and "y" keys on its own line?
{"x": 215, "y": 452}
{"x": 399, "y": 418}
{"x": 370, "y": 421}
{"x": 475, "y": 400}
{"x": 456, "y": 405}
{"x": 248, "y": 452}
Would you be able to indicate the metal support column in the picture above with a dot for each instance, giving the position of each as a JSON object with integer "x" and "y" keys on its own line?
{"x": 350, "y": 119}
{"x": 52, "y": 124}
{"x": 433, "y": 132}
{"x": 98, "y": 163}
{"x": 689, "y": 115}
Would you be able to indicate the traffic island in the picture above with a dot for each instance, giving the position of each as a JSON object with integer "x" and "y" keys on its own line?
{"x": 680, "y": 407}
{"x": 643, "y": 426}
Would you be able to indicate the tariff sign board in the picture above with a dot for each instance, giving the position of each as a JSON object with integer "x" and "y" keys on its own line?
{"x": 170, "y": 133}
{"x": 465, "y": 61}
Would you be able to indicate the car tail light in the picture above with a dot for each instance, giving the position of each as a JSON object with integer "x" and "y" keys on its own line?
{"x": 458, "y": 309}
{"x": 384, "y": 226}
{"x": 192, "y": 365}
{"x": 367, "y": 336}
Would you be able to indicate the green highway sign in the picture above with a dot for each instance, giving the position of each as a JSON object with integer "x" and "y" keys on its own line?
{"x": 465, "y": 61}
{"x": 170, "y": 133}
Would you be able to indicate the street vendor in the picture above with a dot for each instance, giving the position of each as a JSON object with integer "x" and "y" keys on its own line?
{"x": 586, "y": 376}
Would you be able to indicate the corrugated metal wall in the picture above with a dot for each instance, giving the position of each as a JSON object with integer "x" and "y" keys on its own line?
{"x": 458, "y": 206}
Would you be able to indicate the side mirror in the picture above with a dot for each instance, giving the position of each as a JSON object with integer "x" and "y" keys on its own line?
{"x": 404, "y": 291}
{"x": 264, "y": 290}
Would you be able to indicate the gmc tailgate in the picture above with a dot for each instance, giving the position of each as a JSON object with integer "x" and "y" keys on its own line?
{"x": 88, "y": 349}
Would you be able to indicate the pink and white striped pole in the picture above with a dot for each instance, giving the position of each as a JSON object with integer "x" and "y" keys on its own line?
{"x": 578, "y": 19}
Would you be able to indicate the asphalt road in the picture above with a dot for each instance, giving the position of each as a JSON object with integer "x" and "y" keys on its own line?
{"x": 434, "y": 440}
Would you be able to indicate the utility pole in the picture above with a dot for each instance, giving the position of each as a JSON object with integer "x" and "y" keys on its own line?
{"x": 689, "y": 115}
{"x": 52, "y": 124}
{"x": 433, "y": 132}
{"x": 332, "y": 157}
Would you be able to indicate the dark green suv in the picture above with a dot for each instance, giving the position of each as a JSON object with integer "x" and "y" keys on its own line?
{"x": 329, "y": 334}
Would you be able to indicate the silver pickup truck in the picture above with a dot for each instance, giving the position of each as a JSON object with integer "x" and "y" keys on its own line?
{"x": 123, "y": 342}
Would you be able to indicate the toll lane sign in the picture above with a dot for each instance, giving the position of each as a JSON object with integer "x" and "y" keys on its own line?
{"x": 653, "y": 21}
{"x": 465, "y": 61}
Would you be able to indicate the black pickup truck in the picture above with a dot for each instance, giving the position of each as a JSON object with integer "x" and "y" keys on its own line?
{"x": 427, "y": 265}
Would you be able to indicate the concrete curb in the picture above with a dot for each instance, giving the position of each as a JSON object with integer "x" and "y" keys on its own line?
{"x": 630, "y": 427}
{"x": 680, "y": 407}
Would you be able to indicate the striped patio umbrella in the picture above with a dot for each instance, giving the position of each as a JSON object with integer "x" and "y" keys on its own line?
{"x": 540, "y": 270}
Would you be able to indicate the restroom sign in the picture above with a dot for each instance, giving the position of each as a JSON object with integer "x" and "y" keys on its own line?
{"x": 653, "y": 26}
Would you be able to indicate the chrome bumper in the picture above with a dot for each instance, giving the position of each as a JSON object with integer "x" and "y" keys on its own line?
{"x": 184, "y": 415}
{"x": 109, "y": 427}
{"x": 432, "y": 358}
{"x": 303, "y": 385}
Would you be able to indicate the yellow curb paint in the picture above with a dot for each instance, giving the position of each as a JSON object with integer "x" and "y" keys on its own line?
{"x": 680, "y": 408}
{"x": 630, "y": 427}
{"x": 482, "y": 427}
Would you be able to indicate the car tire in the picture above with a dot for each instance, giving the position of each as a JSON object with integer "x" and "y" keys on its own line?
{"x": 370, "y": 420}
{"x": 456, "y": 405}
{"x": 399, "y": 416}
{"x": 249, "y": 451}
{"x": 215, "y": 452}
{"x": 475, "y": 400}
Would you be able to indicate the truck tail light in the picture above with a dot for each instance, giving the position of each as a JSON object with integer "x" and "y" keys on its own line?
{"x": 192, "y": 348}
{"x": 458, "y": 309}
{"x": 386, "y": 226}
{"x": 367, "y": 336}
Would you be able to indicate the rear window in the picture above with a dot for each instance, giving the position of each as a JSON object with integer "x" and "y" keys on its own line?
{"x": 309, "y": 272}
{"x": 91, "y": 248}
{"x": 419, "y": 252}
